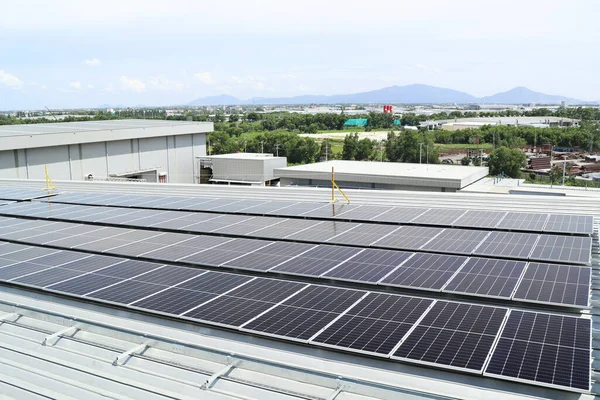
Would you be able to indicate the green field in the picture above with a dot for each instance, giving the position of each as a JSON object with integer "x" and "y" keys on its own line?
{"x": 445, "y": 147}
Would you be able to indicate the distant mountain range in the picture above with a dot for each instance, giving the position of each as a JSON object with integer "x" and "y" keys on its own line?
{"x": 410, "y": 94}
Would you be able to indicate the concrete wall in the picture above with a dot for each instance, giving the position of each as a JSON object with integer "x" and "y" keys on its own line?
{"x": 361, "y": 185}
{"x": 174, "y": 155}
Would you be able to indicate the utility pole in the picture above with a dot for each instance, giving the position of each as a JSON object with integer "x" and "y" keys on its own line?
{"x": 427, "y": 153}
{"x": 244, "y": 146}
{"x": 209, "y": 147}
{"x": 381, "y": 149}
{"x": 277, "y": 148}
{"x": 564, "y": 171}
{"x": 420, "y": 151}
{"x": 262, "y": 146}
{"x": 326, "y": 150}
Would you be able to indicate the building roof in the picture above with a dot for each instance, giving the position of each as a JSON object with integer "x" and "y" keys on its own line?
{"x": 247, "y": 156}
{"x": 356, "y": 122}
{"x": 25, "y": 136}
{"x": 431, "y": 175}
{"x": 103, "y": 357}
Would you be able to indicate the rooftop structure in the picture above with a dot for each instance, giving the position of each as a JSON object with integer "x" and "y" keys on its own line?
{"x": 240, "y": 168}
{"x": 356, "y": 122}
{"x": 466, "y": 123}
{"x": 383, "y": 175}
{"x": 124, "y": 337}
{"x": 113, "y": 149}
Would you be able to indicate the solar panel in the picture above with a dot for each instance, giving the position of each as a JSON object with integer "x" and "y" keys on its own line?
{"x": 170, "y": 275}
{"x": 369, "y": 266}
{"x": 21, "y": 194}
{"x": 544, "y": 349}
{"x": 84, "y": 284}
{"x": 507, "y": 245}
{"x": 245, "y": 302}
{"x": 480, "y": 219}
{"x": 408, "y": 238}
{"x": 284, "y": 229}
{"x": 375, "y": 325}
{"x": 399, "y": 215}
{"x": 47, "y": 276}
{"x": 300, "y": 208}
{"x": 186, "y": 248}
{"x": 425, "y": 271}
{"x": 363, "y": 234}
{"x": 305, "y": 314}
{"x": 238, "y": 205}
{"x": 455, "y": 335}
{"x": 269, "y": 207}
{"x": 248, "y": 226}
{"x": 456, "y": 241}
{"x": 126, "y": 292}
{"x": 362, "y": 213}
{"x": 269, "y": 256}
{"x": 523, "y": 222}
{"x": 128, "y": 269}
{"x": 568, "y": 249}
{"x": 438, "y": 216}
{"x": 317, "y": 261}
{"x": 487, "y": 277}
{"x": 226, "y": 252}
{"x": 92, "y": 263}
{"x": 322, "y": 231}
{"x": 19, "y": 269}
{"x": 555, "y": 284}
{"x": 577, "y": 224}
{"x": 330, "y": 210}
{"x": 173, "y": 300}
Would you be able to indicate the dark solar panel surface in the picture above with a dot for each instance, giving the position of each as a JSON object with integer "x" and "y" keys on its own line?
{"x": 480, "y": 219}
{"x": 438, "y": 216}
{"x": 576, "y": 224}
{"x": 375, "y": 325}
{"x": 555, "y": 283}
{"x": 408, "y": 238}
{"x": 456, "y": 335}
{"x": 507, "y": 245}
{"x": 523, "y": 222}
{"x": 550, "y": 350}
{"x": 487, "y": 277}
{"x": 568, "y": 249}
{"x": 425, "y": 271}
{"x": 457, "y": 241}
{"x": 317, "y": 261}
{"x": 371, "y": 265}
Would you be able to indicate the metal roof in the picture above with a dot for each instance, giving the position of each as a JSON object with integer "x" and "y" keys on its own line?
{"x": 114, "y": 353}
{"x": 63, "y": 133}
{"x": 436, "y": 175}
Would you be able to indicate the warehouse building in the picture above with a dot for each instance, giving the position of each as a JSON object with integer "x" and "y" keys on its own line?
{"x": 255, "y": 169}
{"x": 118, "y": 336}
{"x": 149, "y": 150}
{"x": 383, "y": 175}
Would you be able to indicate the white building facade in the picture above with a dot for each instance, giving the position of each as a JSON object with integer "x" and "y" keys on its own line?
{"x": 153, "y": 150}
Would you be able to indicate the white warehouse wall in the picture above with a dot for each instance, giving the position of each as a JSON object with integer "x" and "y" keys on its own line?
{"x": 174, "y": 155}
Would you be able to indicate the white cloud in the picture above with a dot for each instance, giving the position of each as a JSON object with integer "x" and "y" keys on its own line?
{"x": 9, "y": 80}
{"x": 254, "y": 82}
{"x": 134, "y": 85}
{"x": 109, "y": 88}
{"x": 75, "y": 85}
{"x": 43, "y": 87}
{"x": 90, "y": 86}
{"x": 162, "y": 83}
{"x": 288, "y": 77}
{"x": 205, "y": 77}
{"x": 92, "y": 62}
{"x": 435, "y": 70}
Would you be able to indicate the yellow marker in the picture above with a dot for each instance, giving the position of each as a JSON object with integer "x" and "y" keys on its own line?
{"x": 335, "y": 186}
{"x": 49, "y": 184}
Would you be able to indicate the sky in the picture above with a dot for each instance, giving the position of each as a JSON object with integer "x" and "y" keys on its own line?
{"x": 78, "y": 54}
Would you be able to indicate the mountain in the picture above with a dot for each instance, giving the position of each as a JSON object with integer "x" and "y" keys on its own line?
{"x": 410, "y": 94}
{"x": 523, "y": 95}
{"x": 222, "y": 100}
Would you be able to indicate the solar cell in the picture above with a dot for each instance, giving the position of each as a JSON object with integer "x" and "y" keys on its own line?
{"x": 480, "y": 219}
{"x": 269, "y": 256}
{"x": 84, "y": 284}
{"x": 214, "y": 282}
{"x": 399, "y": 214}
{"x": 425, "y": 271}
{"x": 369, "y": 266}
{"x": 284, "y": 229}
{"x": 453, "y": 335}
{"x": 27, "y": 253}
{"x": 438, "y": 216}
{"x": 92, "y": 263}
{"x": 576, "y": 224}
{"x": 305, "y": 314}
{"x": 330, "y": 210}
{"x": 555, "y": 284}
{"x": 300, "y": 208}
{"x": 544, "y": 349}
{"x": 174, "y": 300}
{"x": 238, "y": 205}
{"x": 363, "y": 234}
{"x": 568, "y": 249}
{"x": 507, "y": 245}
{"x": 187, "y": 248}
{"x": 169, "y": 275}
{"x": 225, "y": 252}
{"x": 322, "y": 231}
{"x": 317, "y": 261}
{"x": 268, "y": 208}
{"x": 456, "y": 241}
{"x": 487, "y": 277}
{"x": 523, "y": 222}
{"x": 48, "y": 276}
{"x": 408, "y": 238}
{"x": 126, "y": 292}
{"x": 362, "y": 213}
{"x": 375, "y": 325}
{"x": 248, "y": 226}
{"x": 128, "y": 269}
{"x": 20, "y": 269}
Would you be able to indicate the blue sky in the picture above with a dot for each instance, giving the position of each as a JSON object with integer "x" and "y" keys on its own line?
{"x": 87, "y": 53}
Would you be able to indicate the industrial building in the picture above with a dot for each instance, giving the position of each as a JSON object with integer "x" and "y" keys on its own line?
{"x": 256, "y": 169}
{"x": 149, "y": 150}
{"x": 96, "y": 319}
{"x": 455, "y": 124}
{"x": 383, "y": 175}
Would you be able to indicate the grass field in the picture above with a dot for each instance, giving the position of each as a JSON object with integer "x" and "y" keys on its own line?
{"x": 442, "y": 147}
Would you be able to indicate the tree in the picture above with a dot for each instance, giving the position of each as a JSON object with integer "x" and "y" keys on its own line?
{"x": 507, "y": 161}
{"x": 350, "y": 146}
{"x": 411, "y": 147}
{"x": 364, "y": 150}
{"x": 466, "y": 160}
{"x": 252, "y": 116}
{"x": 234, "y": 118}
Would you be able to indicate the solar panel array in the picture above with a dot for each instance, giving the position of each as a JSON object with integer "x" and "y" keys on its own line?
{"x": 21, "y": 194}
{"x": 469, "y": 276}
{"x": 179, "y": 256}
{"x": 515, "y": 221}
{"x": 513, "y": 245}
{"x": 532, "y": 347}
